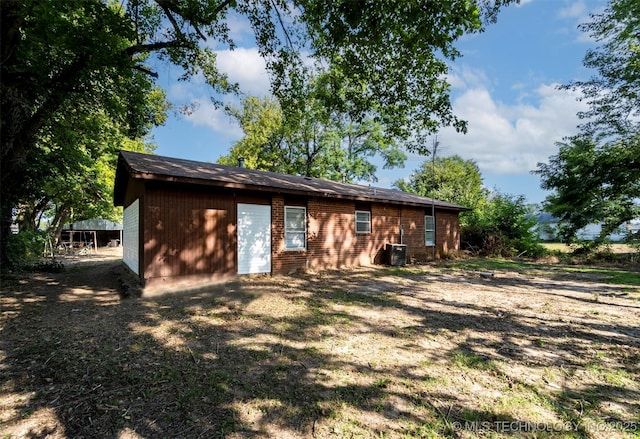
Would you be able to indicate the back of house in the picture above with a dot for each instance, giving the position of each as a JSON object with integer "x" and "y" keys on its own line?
{"x": 202, "y": 221}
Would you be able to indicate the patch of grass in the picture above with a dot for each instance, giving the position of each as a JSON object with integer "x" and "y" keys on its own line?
{"x": 616, "y": 276}
{"x": 468, "y": 360}
{"x": 488, "y": 264}
{"x": 614, "y": 377}
{"x": 564, "y": 248}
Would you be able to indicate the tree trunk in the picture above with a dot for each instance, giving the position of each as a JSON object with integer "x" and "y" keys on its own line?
{"x": 6, "y": 216}
{"x": 57, "y": 223}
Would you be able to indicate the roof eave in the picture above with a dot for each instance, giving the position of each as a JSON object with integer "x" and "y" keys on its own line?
{"x": 271, "y": 189}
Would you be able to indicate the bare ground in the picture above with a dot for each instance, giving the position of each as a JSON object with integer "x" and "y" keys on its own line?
{"x": 429, "y": 351}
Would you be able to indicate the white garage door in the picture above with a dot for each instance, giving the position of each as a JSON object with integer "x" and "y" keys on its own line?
{"x": 254, "y": 238}
{"x": 131, "y": 236}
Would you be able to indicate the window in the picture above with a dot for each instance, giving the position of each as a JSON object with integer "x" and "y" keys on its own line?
{"x": 295, "y": 228}
{"x": 363, "y": 221}
{"x": 429, "y": 231}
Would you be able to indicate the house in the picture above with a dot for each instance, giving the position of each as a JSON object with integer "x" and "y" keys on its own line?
{"x": 202, "y": 221}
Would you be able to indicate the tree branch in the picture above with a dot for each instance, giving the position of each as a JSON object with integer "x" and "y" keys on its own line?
{"x": 284, "y": 28}
{"x": 168, "y": 12}
{"x": 145, "y": 48}
{"x": 170, "y": 8}
{"x": 145, "y": 70}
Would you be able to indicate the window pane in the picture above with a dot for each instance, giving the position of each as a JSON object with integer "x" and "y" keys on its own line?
{"x": 428, "y": 223}
{"x": 429, "y": 237}
{"x": 363, "y": 216}
{"x": 295, "y": 240}
{"x": 362, "y": 227}
{"x": 295, "y": 218}
{"x": 429, "y": 230}
{"x": 295, "y": 227}
{"x": 363, "y": 222}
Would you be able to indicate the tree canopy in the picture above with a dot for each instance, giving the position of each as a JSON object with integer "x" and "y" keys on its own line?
{"x": 450, "y": 179}
{"x": 315, "y": 138}
{"x": 593, "y": 183}
{"x": 613, "y": 94}
{"x": 595, "y": 177}
{"x": 61, "y": 57}
{"x": 498, "y": 224}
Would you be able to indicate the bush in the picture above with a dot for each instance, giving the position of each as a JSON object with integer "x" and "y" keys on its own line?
{"x": 502, "y": 228}
{"x": 26, "y": 246}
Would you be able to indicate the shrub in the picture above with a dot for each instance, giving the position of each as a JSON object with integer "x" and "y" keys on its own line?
{"x": 502, "y": 228}
{"x": 25, "y": 247}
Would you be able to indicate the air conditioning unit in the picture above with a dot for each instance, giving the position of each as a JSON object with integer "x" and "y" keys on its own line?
{"x": 396, "y": 254}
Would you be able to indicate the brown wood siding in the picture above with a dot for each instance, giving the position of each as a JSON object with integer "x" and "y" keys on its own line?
{"x": 135, "y": 190}
{"x": 189, "y": 233}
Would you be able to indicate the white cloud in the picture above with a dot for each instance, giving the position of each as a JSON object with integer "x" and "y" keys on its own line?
{"x": 465, "y": 76}
{"x": 181, "y": 91}
{"x": 206, "y": 114}
{"x": 246, "y": 67}
{"x": 512, "y": 139}
{"x": 580, "y": 13}
{"x": 574, "y": 10}
{"x": 240, "y": 30}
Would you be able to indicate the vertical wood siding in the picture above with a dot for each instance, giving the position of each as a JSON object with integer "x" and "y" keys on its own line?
{"x": 189, "y": 233}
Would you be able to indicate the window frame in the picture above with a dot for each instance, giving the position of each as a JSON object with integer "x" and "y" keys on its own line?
{"x": 431, "y": 230}
{"x": 288, "y": 231}
{"x": 363, "y": 222}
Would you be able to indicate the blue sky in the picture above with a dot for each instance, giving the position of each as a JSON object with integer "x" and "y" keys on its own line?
{"x": 504, "y": 85}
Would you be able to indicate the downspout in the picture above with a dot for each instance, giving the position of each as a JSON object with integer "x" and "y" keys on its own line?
{"x": 401, "y": 230}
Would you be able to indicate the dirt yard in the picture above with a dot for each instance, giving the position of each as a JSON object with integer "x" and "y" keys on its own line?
{"x": 428, "y": 351}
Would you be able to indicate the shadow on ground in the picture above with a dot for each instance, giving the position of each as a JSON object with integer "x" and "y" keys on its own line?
{"x": 370, "y": 352}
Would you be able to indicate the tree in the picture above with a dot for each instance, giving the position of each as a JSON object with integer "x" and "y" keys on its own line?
{"x": 317, "y": 140}
{"x": 613, "y": 95}
{"x": 503, "y": 227}
{"x": 595, "y": 177}
{"x": 57, "y": 56}
{"x": 67, "y": 102}
{"x": 593, "y": 184}
{"x": 498, "y": 224}
{"x": 450, "y": 179}
{"x": 262, "y": 146}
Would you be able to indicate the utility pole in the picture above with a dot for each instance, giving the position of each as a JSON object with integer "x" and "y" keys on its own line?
{"x": 433, "y": 202}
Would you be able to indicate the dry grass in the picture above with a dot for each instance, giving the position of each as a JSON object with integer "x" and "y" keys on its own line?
{"x": 616, "y": 248}
{"x": 431, "y": 351}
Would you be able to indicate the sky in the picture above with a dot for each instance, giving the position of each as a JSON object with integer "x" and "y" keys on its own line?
{"x": 505, "y": 85}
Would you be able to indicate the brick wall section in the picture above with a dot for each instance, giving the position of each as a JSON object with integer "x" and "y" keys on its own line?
{"x": 333, "y": 243}
{"x": 447, "y": 232}
{"x": 412, "y": 220}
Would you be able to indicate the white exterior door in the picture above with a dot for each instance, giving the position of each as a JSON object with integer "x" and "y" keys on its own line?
{"x": 254, "y": 238}
{"x": 131, "y": 236}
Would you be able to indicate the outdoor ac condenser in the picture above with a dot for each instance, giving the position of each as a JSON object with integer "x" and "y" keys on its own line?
{"x": 396, "y": 254}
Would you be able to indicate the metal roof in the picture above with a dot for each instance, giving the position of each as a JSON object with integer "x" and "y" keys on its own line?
{"x": 93, "y": 224}
{"x": 154, "y": 167}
